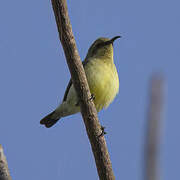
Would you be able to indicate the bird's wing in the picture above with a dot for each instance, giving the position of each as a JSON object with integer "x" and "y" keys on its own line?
{"x": 67, "y": 90}
{"x": 70, "y": 82}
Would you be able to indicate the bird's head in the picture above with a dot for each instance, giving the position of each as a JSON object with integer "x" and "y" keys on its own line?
{"x": 102, "y": 48}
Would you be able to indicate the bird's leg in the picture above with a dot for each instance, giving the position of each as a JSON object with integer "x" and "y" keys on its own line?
{"x": 103, "y": 132}
{"x": 90, "y": 99}
{"x": 103, "y": 128}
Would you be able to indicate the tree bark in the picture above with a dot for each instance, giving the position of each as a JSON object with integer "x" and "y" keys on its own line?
{"x": 4, "y": 171}
{"x": 79, "y": 80}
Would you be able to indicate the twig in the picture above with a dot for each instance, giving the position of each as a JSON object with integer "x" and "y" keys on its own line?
{"x": 4, "y": 171}
{"x": 154, "y": 128}
{"x": 88, "y": 110}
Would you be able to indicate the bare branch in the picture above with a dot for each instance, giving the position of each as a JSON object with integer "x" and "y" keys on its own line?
{"x": 4, "y": 171}
{"x": 88, "y": 109}
{"x": 154, "y": 128}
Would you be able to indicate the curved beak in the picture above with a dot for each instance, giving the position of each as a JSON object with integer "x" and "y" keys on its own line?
{"x": 114, "y": 38}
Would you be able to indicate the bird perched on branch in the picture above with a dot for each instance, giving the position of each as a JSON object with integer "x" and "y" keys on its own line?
{"x": 102, "y": 78}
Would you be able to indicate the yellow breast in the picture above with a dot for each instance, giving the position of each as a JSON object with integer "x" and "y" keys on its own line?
{"x": 103, "y": 82}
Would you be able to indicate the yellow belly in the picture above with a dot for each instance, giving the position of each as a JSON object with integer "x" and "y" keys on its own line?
{"x": 103, "y": 82}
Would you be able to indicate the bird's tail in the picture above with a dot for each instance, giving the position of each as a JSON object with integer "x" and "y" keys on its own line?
{"x": 50, "y": 119}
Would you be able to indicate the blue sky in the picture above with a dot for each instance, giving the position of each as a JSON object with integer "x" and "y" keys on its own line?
{"x": 34, "y": 75}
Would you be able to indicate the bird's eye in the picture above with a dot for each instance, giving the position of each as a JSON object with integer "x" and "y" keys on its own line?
{"x": 99, "y": 45}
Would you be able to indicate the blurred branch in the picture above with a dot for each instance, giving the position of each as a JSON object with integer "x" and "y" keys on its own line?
{"x": 88, "y": 109}
{"x": 4, "y": 171}
{"x": 154, "y": 128}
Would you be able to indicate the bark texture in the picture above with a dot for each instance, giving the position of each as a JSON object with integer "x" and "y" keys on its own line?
{"x": 4, "y": 171}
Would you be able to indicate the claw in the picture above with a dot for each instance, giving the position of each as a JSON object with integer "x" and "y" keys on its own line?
{"x": 92, "y": 97}
{"x": 103, "y": 132}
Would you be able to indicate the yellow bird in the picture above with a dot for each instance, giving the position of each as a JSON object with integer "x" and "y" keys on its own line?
{"x": 102, "y": 78}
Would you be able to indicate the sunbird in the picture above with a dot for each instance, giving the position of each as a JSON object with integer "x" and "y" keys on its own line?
{"x": 102, "y": 78}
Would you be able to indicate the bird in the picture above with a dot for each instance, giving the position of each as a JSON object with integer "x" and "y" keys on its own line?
{"x": 102, "y": 77}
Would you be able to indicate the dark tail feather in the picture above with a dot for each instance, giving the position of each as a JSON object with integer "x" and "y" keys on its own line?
{"x": 48, "y": 121}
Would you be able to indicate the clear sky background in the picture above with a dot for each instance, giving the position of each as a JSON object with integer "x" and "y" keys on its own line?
{"x": 34, "y": 75}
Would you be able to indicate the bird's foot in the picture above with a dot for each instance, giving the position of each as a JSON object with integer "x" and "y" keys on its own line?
{"x": 103, "y": 132}
{"x": 92, "y": 97}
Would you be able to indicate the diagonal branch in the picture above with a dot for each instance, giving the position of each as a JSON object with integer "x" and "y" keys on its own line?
{"x": 4, "y": 171}
{"x": 88, "y": 110}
